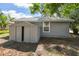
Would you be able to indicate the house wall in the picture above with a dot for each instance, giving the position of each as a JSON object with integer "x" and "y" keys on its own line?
{"x": 33, "y": 31}
{"x": 56, "y": 30}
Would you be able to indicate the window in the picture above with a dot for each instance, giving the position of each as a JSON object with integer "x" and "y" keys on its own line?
{"x": 46, "y": 26}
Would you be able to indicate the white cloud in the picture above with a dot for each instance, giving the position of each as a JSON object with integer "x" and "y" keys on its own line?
{"x": 26, "y": 5}
{"x": 16, "y": 15}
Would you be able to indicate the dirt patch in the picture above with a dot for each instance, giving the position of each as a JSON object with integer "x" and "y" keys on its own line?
{"x": 45, "y": 47}
{"x": 58, "y": 46}
{"x": 16, "y": 48}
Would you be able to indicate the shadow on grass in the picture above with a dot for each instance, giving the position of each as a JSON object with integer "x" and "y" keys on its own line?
{"x": 63, "y": 46}
{"x": 63, "y": 51}
{"x": 20, "y": 46}
{"x": 6, "y": 37}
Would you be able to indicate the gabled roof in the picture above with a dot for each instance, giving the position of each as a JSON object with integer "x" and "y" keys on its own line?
{"x": 31, "y": 19}
{"x": 47, "y": 18}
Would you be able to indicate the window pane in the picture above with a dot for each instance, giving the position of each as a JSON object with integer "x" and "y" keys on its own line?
{"x": 46, "y": 24}
{"x": 46, "y": 28}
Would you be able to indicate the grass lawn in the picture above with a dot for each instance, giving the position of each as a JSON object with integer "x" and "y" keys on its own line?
{"x": 4, "y": 33}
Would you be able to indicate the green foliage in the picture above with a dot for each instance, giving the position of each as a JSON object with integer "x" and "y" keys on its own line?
{"x": 10, "y": 18}
{"x": 72, "y": 11}
{"x": 3, "y": 20}
{"x": 48, "y": 8}
{"x": 75, "y": 15}
{"x": 67, "y": 9}
{"x": 35, "y": 8}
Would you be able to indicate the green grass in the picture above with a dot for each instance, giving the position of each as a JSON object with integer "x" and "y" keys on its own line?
{"x": 4, "y": 33}
{"x": 78, "y": 27}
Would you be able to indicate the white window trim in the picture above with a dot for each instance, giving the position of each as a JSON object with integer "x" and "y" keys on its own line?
{"x": 43, "y": 27}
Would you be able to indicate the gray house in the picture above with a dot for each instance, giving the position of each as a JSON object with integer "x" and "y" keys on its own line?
{"x": 31, "y": 29}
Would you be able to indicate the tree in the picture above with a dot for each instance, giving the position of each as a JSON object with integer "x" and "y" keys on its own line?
{"x": 65, "y": 10}
{"x": 72, "y": 11}
{"x": 10, "y": 18}
{"x": 46, "y": 8}
{"x": 3, "y": 20}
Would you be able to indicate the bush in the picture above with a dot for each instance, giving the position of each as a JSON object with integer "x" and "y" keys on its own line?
{"x": 74, "y": 28}
{"x": 75, "y": 31}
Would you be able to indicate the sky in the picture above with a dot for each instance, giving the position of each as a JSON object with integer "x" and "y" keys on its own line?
{"x": 17, "y": 10}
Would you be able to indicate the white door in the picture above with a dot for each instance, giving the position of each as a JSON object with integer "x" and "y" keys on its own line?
{"x": 19, "y": 34}
{"x": 27, "y": 34}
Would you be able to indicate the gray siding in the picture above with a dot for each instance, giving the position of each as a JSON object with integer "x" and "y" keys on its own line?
{"x": 56, "y": 30}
